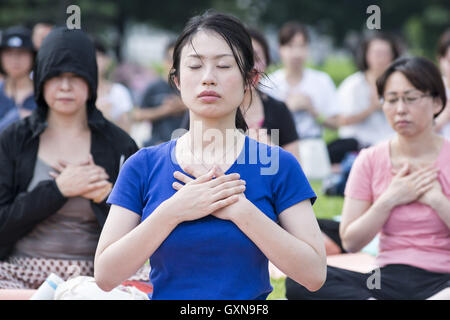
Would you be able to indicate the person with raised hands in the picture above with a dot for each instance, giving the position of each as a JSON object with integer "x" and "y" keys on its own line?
{"x": 84, "y": 179}
{"x": 57, "y": 167}
{"x": 400, "y": 190}
{"x": 212, "y": 207}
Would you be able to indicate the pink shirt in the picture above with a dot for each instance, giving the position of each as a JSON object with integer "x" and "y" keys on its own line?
{"x": 414, "y": 234}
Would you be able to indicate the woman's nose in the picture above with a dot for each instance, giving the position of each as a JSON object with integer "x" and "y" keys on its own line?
{"x": 401, "y": 105}
{"x": 65, "y": 83}
{"x": 209, "y": 77}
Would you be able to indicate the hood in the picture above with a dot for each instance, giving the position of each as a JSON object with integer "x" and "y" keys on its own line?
{"x": 65, "y": 50}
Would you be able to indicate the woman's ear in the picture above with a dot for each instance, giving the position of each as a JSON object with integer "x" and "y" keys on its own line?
{"x": 254, "y": 80}
{"x": 437, "y": 106}
{"x": 256, "y": 76}
{"x": 176, "y": 81}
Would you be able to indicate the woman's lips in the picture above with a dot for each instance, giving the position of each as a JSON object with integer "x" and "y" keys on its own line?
{"x": 402, "y": 123}
{"x": 65, "y": 100}
{"x": 209, "y": 96}
{"x": 209, "y": 99}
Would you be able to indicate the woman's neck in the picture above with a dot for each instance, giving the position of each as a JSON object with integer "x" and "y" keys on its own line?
{"x": 371, "y": 76}
{"x": 213, "y": 138}
{"x": 294, "y": 74}
{"x": 250, "y": 100}
{"x": 253, "y": 109}
{"x": 70, "y": 125}
{"x": 427, "y": 143}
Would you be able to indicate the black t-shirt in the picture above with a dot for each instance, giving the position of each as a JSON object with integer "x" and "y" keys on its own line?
{"x": 276, "y": 116}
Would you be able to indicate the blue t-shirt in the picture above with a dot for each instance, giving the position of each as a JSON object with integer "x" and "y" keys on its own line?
{"x": 8, "y": 108}
{"x": 210, "y": 258}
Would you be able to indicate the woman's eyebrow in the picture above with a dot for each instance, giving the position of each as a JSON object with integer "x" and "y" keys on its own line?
{"x": 406, "y": 91}
{"x": 199, "y": 56}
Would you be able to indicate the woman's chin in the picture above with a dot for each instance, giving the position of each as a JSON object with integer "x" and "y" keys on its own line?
{"x": 210, "y": 112}
{"x": 65, "y": 109}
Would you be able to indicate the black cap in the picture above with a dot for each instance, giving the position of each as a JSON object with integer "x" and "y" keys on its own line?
{"x": 17, "y": 37}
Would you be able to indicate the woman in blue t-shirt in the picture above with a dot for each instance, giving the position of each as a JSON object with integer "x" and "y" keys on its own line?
{"x": 16, "y": 62}
{"x": 211, "y": 207}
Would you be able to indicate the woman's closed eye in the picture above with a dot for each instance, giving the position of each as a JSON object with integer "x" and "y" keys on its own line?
{"x": 392, "y": 100}
{"x": 195, "y": 67}
{"x": 412, "y": 99}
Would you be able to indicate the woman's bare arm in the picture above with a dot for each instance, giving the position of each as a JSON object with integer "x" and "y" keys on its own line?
{"x": 125, "y": 244}
{"x": 295, "y": 246}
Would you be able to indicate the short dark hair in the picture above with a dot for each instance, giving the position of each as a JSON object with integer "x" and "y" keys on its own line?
{"x": 261, "y": 39}
{"x": 421, "y": 72}
{"x": 234, "y": 33}
{"x": 99, "y": 45}
{"x": 289, "y": 30}
{"x": 444, "y": 44}
{"x": 361, "y": 54}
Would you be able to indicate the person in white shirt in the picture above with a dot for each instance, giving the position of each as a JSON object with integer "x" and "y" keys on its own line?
{"x": 113, "y": 99}
{"x": 442, "y": 123}
{"x": 309, "y": 94}
{"x": 361, "y": 116}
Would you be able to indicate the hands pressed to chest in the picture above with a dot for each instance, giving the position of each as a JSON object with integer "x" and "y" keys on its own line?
{"x": 222, "y": 197}
{"x": 85, "y": 179}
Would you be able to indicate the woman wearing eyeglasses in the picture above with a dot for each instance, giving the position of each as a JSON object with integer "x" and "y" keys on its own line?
{"x": 400, "y": 189}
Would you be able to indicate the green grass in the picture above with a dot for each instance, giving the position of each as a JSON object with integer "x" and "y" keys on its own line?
{"x": 324, "y": 207}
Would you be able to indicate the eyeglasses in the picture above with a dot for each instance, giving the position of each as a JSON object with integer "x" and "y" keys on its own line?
{"x": 410, "y": 99}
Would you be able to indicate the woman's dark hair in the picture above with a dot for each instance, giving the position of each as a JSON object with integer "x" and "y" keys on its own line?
{"x": 261, "y": 39}
{"x": 444, "y": 44}
{"x": 361, "y": 54}
{"x": 421, "y": 72}
{"x": 237, "y": 37}
{"x": 99, "y": 45}
{"x": 289, "y": 30}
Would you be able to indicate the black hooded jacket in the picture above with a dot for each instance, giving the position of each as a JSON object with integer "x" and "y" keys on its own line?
{"x": 63, "y": 50}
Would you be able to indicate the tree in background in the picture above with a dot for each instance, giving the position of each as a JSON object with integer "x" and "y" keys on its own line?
{"x": 418, "y": 21}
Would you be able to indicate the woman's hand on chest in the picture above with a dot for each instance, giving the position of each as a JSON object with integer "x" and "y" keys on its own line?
{"x": 84, "y": 179}
{"x": 226, "y": 192}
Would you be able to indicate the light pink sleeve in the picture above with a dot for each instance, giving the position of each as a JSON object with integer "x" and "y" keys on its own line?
{"x": 359, "y": 183}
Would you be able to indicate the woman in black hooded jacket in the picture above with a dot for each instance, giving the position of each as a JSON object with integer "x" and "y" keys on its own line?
{"x": 57, "y": 167}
